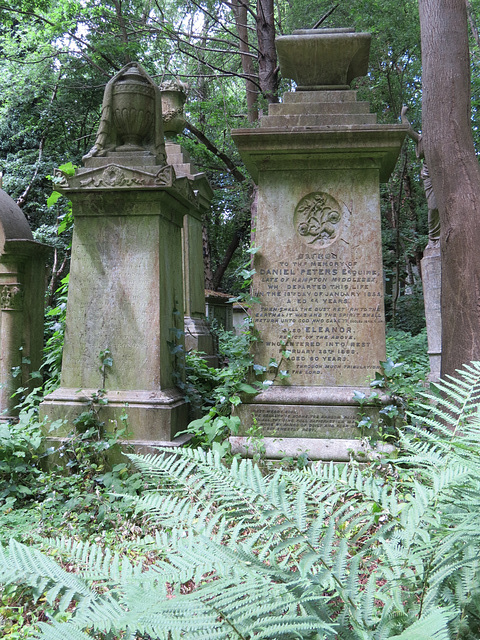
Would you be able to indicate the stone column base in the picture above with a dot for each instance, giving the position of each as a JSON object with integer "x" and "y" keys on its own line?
{"x": 153, "y": 416}
{"x": 199, "y": 337}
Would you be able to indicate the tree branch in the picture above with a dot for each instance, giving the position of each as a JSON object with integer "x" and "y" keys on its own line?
{"x": 232, "y": 169}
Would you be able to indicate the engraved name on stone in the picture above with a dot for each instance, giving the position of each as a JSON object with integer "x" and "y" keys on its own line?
{"x": 323, "y": 301}
{"x": 289, "y": 422}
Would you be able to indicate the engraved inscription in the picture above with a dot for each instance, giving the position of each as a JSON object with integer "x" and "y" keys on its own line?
{"x": 328, "y": 306}
{"x": 287, "y": 421}
{"x": 318, "y": 219}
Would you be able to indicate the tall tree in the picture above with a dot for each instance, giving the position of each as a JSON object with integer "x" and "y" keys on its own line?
{"x": 451, "y": 158}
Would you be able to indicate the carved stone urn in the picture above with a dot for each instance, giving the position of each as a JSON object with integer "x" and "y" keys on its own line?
{"x": 133, "y": 109}
{"x": 323, "y": 58}
{"x": 173, "y": 99}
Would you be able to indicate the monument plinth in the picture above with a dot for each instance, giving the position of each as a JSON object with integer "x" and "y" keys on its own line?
{"x": 126, "y": 286}
{"x": 22, "y": 294}
{"x": 197, "y": 331}
{"x": 318, "y": 158}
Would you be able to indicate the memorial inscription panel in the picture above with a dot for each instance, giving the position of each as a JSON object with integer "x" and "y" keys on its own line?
{"x": 307, "y": 421}
{"x": 321, "y": 290}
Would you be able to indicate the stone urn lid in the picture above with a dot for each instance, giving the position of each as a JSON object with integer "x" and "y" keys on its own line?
{"x": 323, "y": 58}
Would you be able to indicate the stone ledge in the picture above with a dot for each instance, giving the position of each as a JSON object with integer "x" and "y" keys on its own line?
{"x": 297, "y": 395}
{"x": 316, "y": 449}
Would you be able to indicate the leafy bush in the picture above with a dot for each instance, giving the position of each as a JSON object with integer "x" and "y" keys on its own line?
{"x": 328, "y": 552}
{"x": 55, "y": 335}
{"x": 20, "y": 448}
{"x": 402, "y": 346}
{"x": 215, "y": 391}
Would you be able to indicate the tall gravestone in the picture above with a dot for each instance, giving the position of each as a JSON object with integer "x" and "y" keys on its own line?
{"x": 432, "y": 283}
{"x": 126, "y": 289}
{"x": 197, "y": 332}
{"x": 318, "y": 158}
{"x": 22, "y": 291}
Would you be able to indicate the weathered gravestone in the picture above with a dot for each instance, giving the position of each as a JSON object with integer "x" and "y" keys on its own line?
{"x": 431, "y": 263}
{"x": 318, "y": 159}
{"x": 432, "y": 282}
{"x": 22, "y": 291}
{"x": 126, "y": 289}
{"x": 197, "y": 332}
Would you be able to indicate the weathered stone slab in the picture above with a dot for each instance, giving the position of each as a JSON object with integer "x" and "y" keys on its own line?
{"x": 432, "y": 282}
{"x": 338, "y": 450}
{"x": 319, "y": 107}
{"x": 125, "y": 295}
{"x": 22, "y": 291}
{"x": 321, "y": 296}
{"x": 302, "y": 120}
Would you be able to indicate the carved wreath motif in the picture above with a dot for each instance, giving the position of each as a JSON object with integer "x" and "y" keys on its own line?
{"x": 11, "y": 297}
{"x": 169, "y": 114}
{"x": 318, "y": 218}
{"x": 112, "y": 176}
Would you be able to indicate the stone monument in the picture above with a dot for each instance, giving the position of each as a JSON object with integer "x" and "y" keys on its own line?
{"x": 22, "y": 292}
{"x": 431, "y": 262}
{"x": 197, "y": 332}
{"x": 318, "y": 158}
{"x": 126, "y": 288}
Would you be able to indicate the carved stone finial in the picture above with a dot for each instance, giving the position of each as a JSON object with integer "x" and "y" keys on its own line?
{"x": 131, "y": 119}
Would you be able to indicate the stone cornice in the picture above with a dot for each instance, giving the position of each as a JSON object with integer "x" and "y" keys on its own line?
{"x": 271, "y": 149}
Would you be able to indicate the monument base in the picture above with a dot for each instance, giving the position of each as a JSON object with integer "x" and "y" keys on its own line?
{"x": 340, "y": 450}
{"x": 56, "y": 458}
{"x": 152, "y": 416}
{"x": 320, "y": 421}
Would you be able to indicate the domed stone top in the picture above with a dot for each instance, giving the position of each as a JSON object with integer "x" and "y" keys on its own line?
{"x": 13, "y": 224}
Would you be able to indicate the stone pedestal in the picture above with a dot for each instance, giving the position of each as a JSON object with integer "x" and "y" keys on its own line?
{"x": 318, "y": 159}
{"x": 432, "y": 282}
{"x": 197, "y": 332}
{"x": 22, "y": 291}
{"x": 125, "y": 295}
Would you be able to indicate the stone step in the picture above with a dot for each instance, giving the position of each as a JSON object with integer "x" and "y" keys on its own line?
{"x": 318, "y": 120}
{"x": 320, "y": 96}
{"x": 311, "y": 108}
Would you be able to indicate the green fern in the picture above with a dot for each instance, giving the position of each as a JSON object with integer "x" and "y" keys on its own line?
{"x": 321, "y": 553}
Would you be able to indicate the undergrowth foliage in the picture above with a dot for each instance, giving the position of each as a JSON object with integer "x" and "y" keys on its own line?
{"x": 326, "y": 552}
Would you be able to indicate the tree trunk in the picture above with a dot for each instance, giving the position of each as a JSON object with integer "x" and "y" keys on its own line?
{"x": 267, "y": 54}
{"x": 454, "y": 169}
{"x": 239, "y": 9}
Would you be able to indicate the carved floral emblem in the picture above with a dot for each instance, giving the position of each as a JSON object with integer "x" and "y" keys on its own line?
{"x": 114, "y": 177}
{"x": 318, "y": 218}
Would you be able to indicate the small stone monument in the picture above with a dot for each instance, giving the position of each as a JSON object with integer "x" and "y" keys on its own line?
{"x": 197, "y": 332}
{"x": 126, "y": 288}
{"x": 318, "y": 158}
{"x": 431, "y": 262}
{"x": 22, "y": 291}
